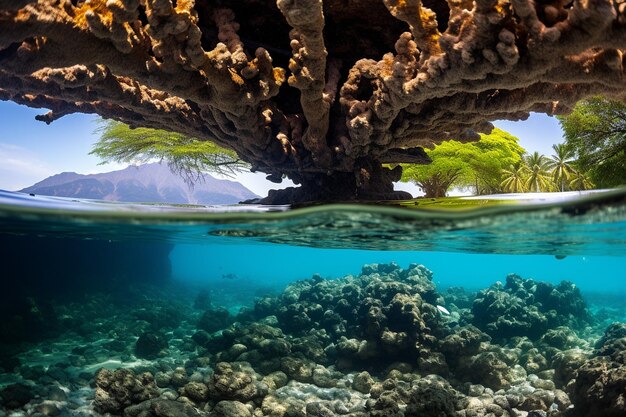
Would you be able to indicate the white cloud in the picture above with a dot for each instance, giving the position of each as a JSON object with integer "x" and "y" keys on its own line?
{"x": 20, "y": 167}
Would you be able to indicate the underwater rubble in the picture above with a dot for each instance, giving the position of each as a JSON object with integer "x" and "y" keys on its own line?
{"x": 385, "y": 343}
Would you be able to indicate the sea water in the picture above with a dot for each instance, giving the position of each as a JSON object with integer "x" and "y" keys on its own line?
{"x": 513, "y": 308}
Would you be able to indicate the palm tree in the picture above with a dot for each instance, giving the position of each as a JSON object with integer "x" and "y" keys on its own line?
{"x": 580, "y": 181}
{"x": 539, "y": 175}
{"x": 560, "y": 164}
{"x": 515, "y": 178}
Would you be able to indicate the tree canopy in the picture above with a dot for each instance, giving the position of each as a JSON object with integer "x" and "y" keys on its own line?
{"x": 185, "y": 155}
{"x": 479, "y": 165}
{"x": 596, "y": 134}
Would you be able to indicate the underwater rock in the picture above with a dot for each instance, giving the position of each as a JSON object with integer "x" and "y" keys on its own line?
{"x": 116, "y": 390}
{"x": 215, "y": 319}
{"x": 275, "y": 380}
{"x": 196, "y": 391}
{"x": 304, "y": 399}
{"x": 370, "y": 347}
{"x": 150, "y": 345}
{"x": 235, "y": 381}
{"x": 599, "y": 389}
{"x": 363, "y": 382}
{"x": 524, "y": 307}
{"x": 383, "y": 313}
{"x": 559, "y": 339}
{"x": 16, "y": 395}
{"x": 614, "y": 332}
{"x": 565, "y": 365}
{"x": 487, "y": 368}
{"x": 463, "y": 343}
{"x": 387, "y": 404}
{"x": 297, "y": 368}
{"x": 179, "y": 377}
{"x": 230, "y": 409}
{"x": 283, "y": 407}
{"x": 432, "y": 396}
{"x": 161, "y": 408}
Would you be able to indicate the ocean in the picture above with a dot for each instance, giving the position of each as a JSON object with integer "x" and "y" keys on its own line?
{"x": 487, "y": 307}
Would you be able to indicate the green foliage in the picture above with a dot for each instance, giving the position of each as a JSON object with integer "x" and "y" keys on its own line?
{"x": 186, "y": 156}
{"x": 595, "y": 131}
{"x": 479, "y": 164}
{"x": 560, "y": 163}
{"x": 579, "y": 181}
{"x": 515, "y": 178}
{"x": 539, "y": 176}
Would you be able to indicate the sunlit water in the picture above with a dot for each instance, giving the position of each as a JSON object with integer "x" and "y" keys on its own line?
{"x": 180, "y": 292}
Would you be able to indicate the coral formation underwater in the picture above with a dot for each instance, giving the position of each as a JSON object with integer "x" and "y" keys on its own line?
{"x": 377, "y": 344}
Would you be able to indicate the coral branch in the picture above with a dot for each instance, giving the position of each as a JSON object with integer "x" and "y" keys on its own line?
{"x": 308, "y": 68}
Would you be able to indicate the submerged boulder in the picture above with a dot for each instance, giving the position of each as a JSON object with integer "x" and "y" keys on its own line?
{"x": 231, "y": 409}
{"x": 432, "y": 396}
{"x": 215, "y": 319}
{"x": 600, "y": 386}
{"x": 116, "y": 390}
{"x": 524, "y": 307}
{"x": 234, "y": 382}
{"x": 162, "y": 408}
{"x": 150, "y": 345}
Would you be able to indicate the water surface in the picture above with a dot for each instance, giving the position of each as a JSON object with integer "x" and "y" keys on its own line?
{"x": 327, "y": 310}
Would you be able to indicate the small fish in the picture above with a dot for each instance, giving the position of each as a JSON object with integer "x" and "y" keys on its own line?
{"x": 229, "y": 276}
{"x": 443, "y": 310}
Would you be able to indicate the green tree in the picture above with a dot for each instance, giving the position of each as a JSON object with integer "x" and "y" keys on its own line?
{"x": 539, "y": 176}
{"x": 580, "y": 181}
{"x": 515, "y": 178}
{"x": 560, "y": 163}
{"x": 478, "y": 165}
{"x": 489, "y": 157}
{"x": 185, "y": 155}
{"x": 596, "y": 132}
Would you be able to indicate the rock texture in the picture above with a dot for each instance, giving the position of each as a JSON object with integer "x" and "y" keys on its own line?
{"x": 523, "y": 307}
{"x": 600, "y": 385}
{"x": 368, "y": 82}
{"x": 368, "y": 345}
{"x": 116, "y": 390}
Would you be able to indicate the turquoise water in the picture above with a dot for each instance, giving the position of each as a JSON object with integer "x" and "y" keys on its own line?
{"x": 508, "y": 309}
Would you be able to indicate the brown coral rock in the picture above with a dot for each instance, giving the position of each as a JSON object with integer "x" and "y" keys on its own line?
{"x": 116, "y": 390}
{"x": 369, "y": 82}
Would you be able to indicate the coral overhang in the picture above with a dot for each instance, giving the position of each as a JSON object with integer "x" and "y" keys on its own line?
{"x": 322, "y": 92}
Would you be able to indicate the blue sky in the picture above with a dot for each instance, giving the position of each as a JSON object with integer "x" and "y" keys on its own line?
{"x": 31, "y": 150}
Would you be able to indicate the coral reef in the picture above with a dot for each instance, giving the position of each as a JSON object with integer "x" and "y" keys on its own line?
{"x": 119, "y": 389}
{"x": 368, "y": 82}
{"x": 368, "y": 345}
{"x": 523, "y": 307}
{"x": 599, "y": 388}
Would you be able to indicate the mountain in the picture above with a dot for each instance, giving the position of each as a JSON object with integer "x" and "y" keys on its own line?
{"x": 144, "y": 183}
